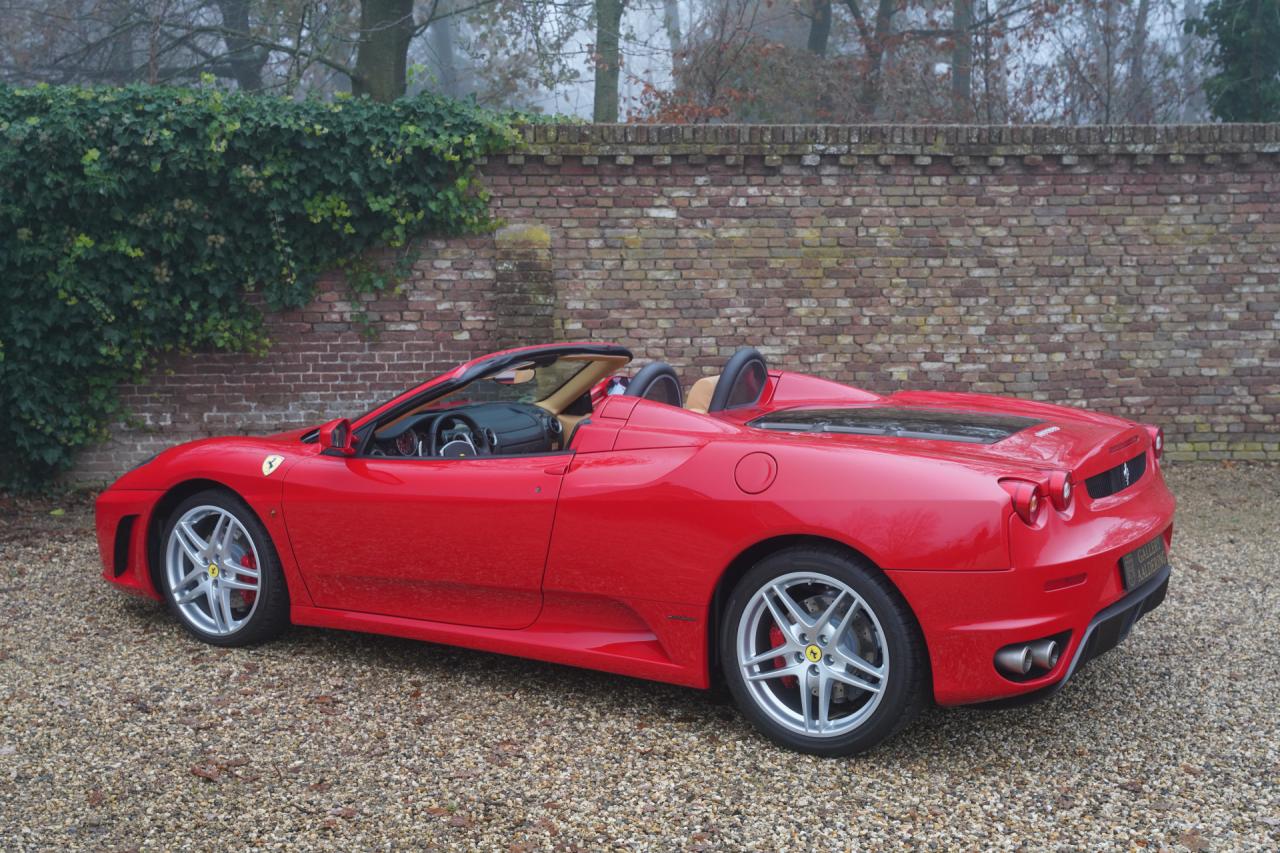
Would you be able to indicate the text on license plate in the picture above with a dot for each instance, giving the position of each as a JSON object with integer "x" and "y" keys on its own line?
{"x": 1138, "y": 565}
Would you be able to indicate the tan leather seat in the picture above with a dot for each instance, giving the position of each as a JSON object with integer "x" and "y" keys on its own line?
{"x": 700, "y": 394}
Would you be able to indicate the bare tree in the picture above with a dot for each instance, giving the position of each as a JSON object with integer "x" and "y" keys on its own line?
{"x": 253, "y": 45}
{"x": 671, "y": 23}
{"x": 740, "y": 60}
{"x": 244, "y": 57}
{"x": 962, "y": 60}
{"x": 1137, "y": 95}
{"x": 820, "y": 28}
{"x": 608, "y": 60}
{"x": 386, "y": 28}
{"x": 440, "y": 34}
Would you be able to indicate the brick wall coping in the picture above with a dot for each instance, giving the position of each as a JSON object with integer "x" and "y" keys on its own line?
{"x": 595, "y": 140}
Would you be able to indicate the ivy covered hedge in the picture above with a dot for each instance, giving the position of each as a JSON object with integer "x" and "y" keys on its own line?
{"x": 133, "y": 221}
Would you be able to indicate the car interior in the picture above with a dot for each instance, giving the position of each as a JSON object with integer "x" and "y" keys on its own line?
{"x": 537, "y": 408}
{"x": 738, "y": 386}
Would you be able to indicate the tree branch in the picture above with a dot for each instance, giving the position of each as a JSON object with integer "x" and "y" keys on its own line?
{"x": 282, "y": 48}
{"x": 859, "y": 20}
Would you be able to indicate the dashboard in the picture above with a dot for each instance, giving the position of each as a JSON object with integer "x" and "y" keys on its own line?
{"x": 473, "y": 429}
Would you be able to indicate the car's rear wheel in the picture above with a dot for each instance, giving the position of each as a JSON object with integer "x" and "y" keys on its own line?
{"x": 821, "y": 653}
{"x": 221, "y": 573}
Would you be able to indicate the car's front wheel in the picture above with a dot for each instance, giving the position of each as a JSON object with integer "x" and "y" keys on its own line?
{"x": 221, "y": 573}
{"x": 821, "y": 653}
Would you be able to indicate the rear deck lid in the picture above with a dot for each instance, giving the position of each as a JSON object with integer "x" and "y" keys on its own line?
{"x": 1046, "y": 437}
{"x": 929, "y": 424}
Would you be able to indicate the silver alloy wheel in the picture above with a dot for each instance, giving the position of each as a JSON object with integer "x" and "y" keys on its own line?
{"x": 812, "y": 654}
{"x": 213, "y": 570}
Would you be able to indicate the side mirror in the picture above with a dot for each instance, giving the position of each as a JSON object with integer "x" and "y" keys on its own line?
{"x": 335, "y": 438}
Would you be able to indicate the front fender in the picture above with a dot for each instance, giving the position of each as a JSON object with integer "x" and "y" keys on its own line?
{"x": 149, "y": 492}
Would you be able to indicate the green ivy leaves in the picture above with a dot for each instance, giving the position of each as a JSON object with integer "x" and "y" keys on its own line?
{"x": 133, "y": 220}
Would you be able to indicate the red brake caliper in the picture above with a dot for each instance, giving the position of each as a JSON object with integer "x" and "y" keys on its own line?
{"x": 249, "y": 563}
{"x": 776, "y": 638}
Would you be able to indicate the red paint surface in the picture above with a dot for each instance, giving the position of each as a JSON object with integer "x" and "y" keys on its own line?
{"x": 614, "y": 564}
{"x": 424, "y": 538}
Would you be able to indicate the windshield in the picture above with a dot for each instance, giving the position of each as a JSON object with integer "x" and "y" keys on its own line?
{"x": 522, "y": 383}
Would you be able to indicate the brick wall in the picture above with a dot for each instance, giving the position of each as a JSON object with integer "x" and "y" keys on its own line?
{"x": 1132, "y": 270}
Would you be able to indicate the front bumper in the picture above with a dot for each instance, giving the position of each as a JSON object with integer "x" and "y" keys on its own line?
{"x": 122, "y": 517}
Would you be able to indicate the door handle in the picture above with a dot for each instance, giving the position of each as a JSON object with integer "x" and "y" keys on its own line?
{"x": 556, "y": 470}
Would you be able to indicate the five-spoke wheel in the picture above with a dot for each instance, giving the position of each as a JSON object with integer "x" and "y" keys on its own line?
{"x": 222, "y": 573}
{"x": 813, "y": 654}
{"x": 820, "y": 652}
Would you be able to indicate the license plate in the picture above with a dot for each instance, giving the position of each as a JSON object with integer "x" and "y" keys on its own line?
{"x": 1137, "y": 566}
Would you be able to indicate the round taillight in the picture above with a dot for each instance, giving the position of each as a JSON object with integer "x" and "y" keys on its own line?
{"x": 1026, "y": 501}
{"x": 1027, "y": 496}
{"x": 1061, "y": 489}
{"x": 1157, "y": 440}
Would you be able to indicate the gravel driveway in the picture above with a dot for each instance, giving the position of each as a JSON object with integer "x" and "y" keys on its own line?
{"x": 118, "y": 731}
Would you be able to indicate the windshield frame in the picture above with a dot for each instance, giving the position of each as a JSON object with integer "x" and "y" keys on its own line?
{"x": 468, "y": 372}
{"x": 457, "y": 396}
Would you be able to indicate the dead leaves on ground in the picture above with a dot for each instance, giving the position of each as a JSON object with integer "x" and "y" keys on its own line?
{"x": 215, "y": 769}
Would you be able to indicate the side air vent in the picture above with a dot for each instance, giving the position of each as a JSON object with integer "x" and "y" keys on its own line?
{"x": 120, "y": 553}
{"x": 1117, "y": 479}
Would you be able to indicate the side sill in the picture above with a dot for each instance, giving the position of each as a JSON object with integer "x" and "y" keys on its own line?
{"x": 623, "y": 653}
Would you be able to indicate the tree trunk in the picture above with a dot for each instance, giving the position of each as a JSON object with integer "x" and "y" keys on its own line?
{"x": 1108, "y": 62}
{"x": 441, "y": 35}
{"x": 870, "y": 94}
{"x": 244, "y": 58}
{"x": 1137, "y": 98}
{"x": 962, "y": 61}
{"x": 671, "y": 21}
{"x": 122, "y": 59}
{"x": 386, "y": 27}
{"x": 1193, "y": 108}
{"x": 608, "y": 60}
{"x": 820, "y": 27}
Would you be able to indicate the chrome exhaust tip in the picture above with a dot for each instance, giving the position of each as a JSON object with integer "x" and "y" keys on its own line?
{"x": 1044, "y": 653}
{"x": 1015, "y": 660}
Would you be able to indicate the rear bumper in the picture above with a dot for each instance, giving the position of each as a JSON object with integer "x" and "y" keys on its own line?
{"x": 1065, "y": 583}
{"x": 1106, "y": 630}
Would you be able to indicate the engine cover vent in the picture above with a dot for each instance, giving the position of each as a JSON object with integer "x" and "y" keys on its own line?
{"x": 929, "y": 424}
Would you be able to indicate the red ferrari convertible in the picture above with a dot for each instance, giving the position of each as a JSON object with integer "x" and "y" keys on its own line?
{"x": 837, "y": 558}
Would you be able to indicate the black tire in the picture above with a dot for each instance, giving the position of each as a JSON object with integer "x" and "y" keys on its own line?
{"x": 903, "y": 689}
{"x": 270, "y": 616}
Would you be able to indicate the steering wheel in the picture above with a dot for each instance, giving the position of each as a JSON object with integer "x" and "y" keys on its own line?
{"x": 459, "y": 441}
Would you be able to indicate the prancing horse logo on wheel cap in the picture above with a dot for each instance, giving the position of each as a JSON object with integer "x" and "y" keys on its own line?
{"x": 270, "y": 464}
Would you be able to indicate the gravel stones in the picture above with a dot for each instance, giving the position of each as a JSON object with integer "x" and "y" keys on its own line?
{"x": 119, "y": 731}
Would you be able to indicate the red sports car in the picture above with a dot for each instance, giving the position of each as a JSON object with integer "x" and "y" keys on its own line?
{"x": 836, "y": 557}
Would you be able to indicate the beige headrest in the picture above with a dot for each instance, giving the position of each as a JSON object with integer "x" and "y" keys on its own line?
{"x": 700, "y": 394}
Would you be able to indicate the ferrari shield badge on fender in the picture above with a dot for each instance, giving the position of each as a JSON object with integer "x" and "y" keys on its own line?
{"x": 270, "y": 464}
